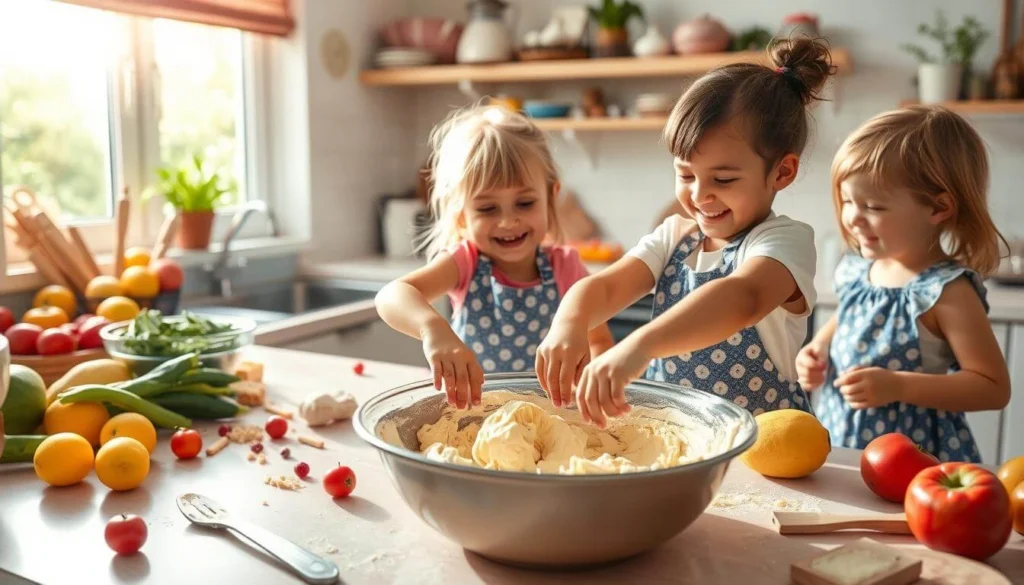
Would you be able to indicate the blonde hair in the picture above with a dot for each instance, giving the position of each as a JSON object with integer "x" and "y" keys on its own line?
{"x": 927, "y": 150}
{"x": 479, "y": 149}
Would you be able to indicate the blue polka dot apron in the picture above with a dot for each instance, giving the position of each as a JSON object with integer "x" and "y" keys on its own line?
{"x": 877, "y": 327}
{"x": 737, "y": 369}
{"x": 504, "y": 325}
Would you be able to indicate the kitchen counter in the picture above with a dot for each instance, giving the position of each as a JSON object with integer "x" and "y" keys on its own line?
{"x": 55, "y": 535}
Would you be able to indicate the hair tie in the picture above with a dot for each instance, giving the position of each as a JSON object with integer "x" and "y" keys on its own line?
{"x": 782, "y": 70}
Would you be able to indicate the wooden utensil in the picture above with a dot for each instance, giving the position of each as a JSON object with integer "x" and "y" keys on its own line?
{"x": 874, "y": 562}
{"x": 63, "y": 253}
{"x": 121, "y": 218}
{"x": 1006, "y": 71}
{"x": 163, "y": 239}
{"x": 36, "y": 254}
{"x": 818, "y": 523}
{"x": 84, "y": 255}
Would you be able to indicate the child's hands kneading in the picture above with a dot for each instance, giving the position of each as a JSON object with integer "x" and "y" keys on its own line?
{"x": 812, "y": 365}
{"x": 561, "y": 358}
{"x": 454, "y": 364}
{"x": 868, "y": 387}
{"x": 601, "y": 392}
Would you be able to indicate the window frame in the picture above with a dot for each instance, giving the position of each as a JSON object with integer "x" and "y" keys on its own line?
{"x": 135, "y": 152}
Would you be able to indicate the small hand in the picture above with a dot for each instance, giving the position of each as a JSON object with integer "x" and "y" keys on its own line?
{"x": 601, "y": 392}
{"x": 454, "y": 364}
{"x": 561, "y": 358}
{"x": 811, "y": 365}
{"x": 868, "y": 387}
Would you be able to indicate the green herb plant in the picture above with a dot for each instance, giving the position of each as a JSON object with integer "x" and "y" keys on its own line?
{"x": 958, "y": 45}
{"x": 153, "y": 335}
{"x": 190, "y": 189}
{"x": 611, "y": 15}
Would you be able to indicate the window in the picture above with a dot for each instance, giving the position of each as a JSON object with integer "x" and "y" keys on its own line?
{"x": 85, "y": 118}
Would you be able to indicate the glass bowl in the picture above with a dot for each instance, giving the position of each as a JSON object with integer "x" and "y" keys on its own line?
{"x": 218, "y": 350}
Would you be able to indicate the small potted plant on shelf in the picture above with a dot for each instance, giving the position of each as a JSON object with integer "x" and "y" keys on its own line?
{"x": 612, "y": 18}
{"x": 941, "y": 78}
{"x": 195, "y": 196}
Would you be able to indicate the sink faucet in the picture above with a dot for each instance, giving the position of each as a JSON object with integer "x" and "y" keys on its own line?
{"x": 220, "y": 271}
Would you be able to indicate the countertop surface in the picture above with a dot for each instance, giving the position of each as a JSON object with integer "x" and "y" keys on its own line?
{"x": 1006, "y": 302}
{"x": 55, "y": 535}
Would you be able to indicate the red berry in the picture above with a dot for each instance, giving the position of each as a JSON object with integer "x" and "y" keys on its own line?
{"x": 223, "y": 430}
{"x": 286, "y": 453}
{"x": 302, "y": 470}
{"x": 359, "y": 368}
{"x": 257, "y": 447}
{"x": 276, "y": 427}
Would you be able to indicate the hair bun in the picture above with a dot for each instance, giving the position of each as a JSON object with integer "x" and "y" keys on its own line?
{"x": 805, "y": 62}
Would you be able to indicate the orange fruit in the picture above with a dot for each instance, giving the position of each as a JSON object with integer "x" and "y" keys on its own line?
{"x": 104, "y": 286}
{"x": 56, "y": 295}
{"x": 122, "y": 463}
{"x": 136, "y": 256}
{"x": 1011, "y": 473}
{"x": 130, "y": 424}
{"x": 118, "y": 309}
{"x": 85, "y": 419}
{"x": 140, "y": 282}
{"x": 46, "y": 317}
{"x": 63, "y": 459}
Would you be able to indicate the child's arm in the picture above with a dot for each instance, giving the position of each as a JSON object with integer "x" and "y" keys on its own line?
{"x": 983, "y": 382}
{"x": 812, "y": 360}
{"x": 404, "y": 304}
{"x": 586, "y": 307}
{"x": 600, "y": 340}
{"x": 707, "y": 316}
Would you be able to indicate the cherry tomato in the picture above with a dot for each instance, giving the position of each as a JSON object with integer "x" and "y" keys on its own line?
{"x": 340, "y": 481}
{"x": 186, "y": 443}
{"x": 276, "y": 427}
{"x": 359, "y": 368}
{"x": 302, "y": 470}
{"x": 890, "y": 462}
{"x": 126, "y": 533}
{"x": 959, "y": 508}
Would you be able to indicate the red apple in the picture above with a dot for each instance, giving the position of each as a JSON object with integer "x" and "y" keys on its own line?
{"x": 169, "y": 272}
{"x": 89, "y": 333}
{"x": 55, "y": 342}
{"x": 82, "y": 319}
{"x": 23, "y": 337}
{"x": 6, "y": 319}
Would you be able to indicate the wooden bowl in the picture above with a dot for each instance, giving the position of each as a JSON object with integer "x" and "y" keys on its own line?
{"x": 52, "y": 367}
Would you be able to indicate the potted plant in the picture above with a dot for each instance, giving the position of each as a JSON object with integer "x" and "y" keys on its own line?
{"x": 940, "y": 78}
{"x": 195, "y": 196}
{"x": 612, "y": 18}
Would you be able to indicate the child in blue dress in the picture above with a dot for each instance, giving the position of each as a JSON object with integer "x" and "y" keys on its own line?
{"x": 733, "y": 282}
{"x": 493, "y": 203}
{"x": 910, "y": 349}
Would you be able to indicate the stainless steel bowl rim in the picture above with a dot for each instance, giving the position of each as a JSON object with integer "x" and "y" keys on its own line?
{"x": 417, "y": 458}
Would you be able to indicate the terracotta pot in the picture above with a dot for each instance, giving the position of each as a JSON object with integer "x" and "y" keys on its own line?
{"x": 612, "y": 42}
{"x": 194, "y": 230}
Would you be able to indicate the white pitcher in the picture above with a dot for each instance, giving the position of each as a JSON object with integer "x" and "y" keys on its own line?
{"x": 486, "y": 38}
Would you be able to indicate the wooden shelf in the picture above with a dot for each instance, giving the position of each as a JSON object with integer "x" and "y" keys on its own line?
{"x": 980, "y": 106}
{"x": 609, "y": 68}
{"x": 601, "y": 124}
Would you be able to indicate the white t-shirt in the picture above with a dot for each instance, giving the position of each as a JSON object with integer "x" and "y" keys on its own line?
{"x": 785, "y": 240}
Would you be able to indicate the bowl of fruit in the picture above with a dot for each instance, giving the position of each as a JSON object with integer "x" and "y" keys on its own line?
{"x": 152, "y": 338}
{"x": 143, "y": 284}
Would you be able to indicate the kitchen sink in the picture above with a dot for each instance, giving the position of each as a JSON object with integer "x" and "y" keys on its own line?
{"x": 273, "y": 302}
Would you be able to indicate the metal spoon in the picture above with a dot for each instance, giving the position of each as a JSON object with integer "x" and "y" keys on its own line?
{"x": 311, "y": 568}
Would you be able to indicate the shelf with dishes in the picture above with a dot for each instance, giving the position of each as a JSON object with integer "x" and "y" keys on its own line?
{"x": 624, "y": 124}
{"x": 980, "y": 106}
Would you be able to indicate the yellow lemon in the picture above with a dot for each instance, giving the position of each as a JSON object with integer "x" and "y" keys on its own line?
{"x": 85, "y": 419}
{"x": 130, "y": 424}
{"x": 122, "y": 463}
{"x": 140, "y": 282}
{"x": 63, "y": 459}
{"x": 103, "y": 286}
{"x": 59, "y": 296}
{"x": 136, "y": 256}
{"x": 790, "y": 444}
{"x": 118, "y": 309}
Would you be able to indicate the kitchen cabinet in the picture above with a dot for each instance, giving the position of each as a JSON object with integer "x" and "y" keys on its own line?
{"x": 1013, "y": 415}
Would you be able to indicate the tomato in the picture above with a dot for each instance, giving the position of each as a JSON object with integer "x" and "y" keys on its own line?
{"x": 359, "y": 368}
{"x": 340, "y": 481}
{"x": 1017, "y": 507}
{"x": 126, "y": 533}
{"x": 959, "y": 508}
{"x": 186, "y": 443}
{"x": 890, "y": 462}
{"x": 276, "y": 427}
{"x": 1011, "y": 473}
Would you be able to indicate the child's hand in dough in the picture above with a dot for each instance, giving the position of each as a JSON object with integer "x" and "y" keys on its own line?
{"x": 561, "y": 358}
{"x": 454, "y": 365}
{"x": 601, "y": 392}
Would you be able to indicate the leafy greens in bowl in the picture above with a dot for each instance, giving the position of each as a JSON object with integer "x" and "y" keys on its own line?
{"x": 153, "y": 334}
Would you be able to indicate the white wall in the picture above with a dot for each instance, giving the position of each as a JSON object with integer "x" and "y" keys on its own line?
{"x": 633, "y": 178}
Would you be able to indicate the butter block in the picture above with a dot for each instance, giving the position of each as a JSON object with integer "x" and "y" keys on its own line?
{"x": 863, "y": 562}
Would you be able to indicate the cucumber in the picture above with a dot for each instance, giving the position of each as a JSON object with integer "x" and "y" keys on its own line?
{"x": 206, "y": 389}
{"x": 200, "y": 406}
{"x": 211, "y": 376}
{"x": 124, "y": 399}
{"x": 20, "y": 448}
{"x": 166, "y": 373}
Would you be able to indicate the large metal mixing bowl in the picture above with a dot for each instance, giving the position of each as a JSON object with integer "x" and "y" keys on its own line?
{"x": 553, "y": 520}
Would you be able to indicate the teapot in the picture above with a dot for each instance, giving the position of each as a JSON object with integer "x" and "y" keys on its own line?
{"x": 486, "y": 38}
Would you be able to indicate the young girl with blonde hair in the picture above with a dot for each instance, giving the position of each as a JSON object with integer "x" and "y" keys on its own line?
{"x": 492, "y": 198}
{"x": 910, "y": 349}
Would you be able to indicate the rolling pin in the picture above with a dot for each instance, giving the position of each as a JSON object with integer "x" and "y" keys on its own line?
{"x": 85, "y": 256}
{"x": 61, "y": 251}
{"x": 121, "y": 218}
{"x": 817, "y": 523}
{"x": 163, "y": 239}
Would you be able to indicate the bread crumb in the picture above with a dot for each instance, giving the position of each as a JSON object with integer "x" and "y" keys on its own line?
{"x": 781, "y": 503}
{"x": 245, "y": 434}
{"x": 266, "y": 504}
{"x": 249, "y": 393}
{"x": 250, "y": 456}
{"x": 284, "y": 483}
{"x": 261, "y": 459}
